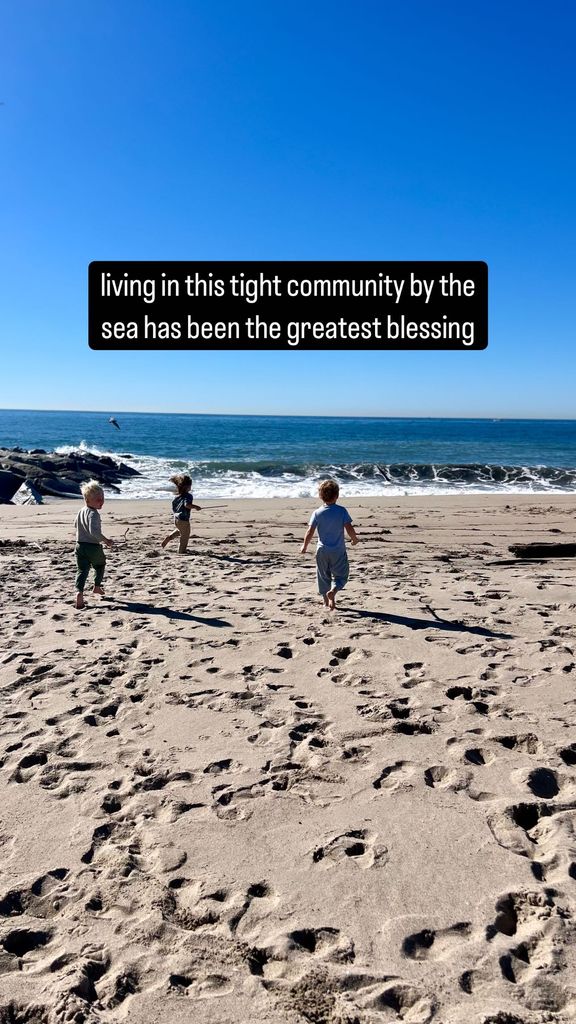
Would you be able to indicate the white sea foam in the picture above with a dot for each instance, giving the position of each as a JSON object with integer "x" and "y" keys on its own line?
{"x": 252, "y": 480}
{"x": 155, "y": 483}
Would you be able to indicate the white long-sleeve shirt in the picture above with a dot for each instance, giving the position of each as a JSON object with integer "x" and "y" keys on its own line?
{"x": 89, "y": 526}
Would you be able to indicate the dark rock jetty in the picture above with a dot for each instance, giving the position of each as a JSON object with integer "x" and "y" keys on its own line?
{"x": 58, "y": 475}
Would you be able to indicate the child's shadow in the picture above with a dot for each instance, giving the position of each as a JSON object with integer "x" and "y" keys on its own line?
{"x": 412, "y": 623}
{"x": 141, "y": 608}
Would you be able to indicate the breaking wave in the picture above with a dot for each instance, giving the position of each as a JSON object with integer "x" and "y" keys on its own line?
{"x": 272, "y": 479}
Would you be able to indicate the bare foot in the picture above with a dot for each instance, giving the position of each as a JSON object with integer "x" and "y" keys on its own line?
{"x": 331, "y": 595}
{"x": 79, "y": 600}
{"x": 165, "y": 542}
{"x": 98, "y": 590}
{"x": 325, "y": 599}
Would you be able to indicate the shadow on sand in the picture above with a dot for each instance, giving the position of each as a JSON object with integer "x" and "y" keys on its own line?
{"x": 242, "y": 561}
{"x": 141, "y": 608}
{"x": 449, "y": 627}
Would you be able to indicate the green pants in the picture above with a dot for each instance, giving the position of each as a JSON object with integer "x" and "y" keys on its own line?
{"x": 89, "y": 556}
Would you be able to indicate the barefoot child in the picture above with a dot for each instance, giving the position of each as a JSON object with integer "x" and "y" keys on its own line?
{"x": 181, "y": 507}
{"x": 89, "y": 541}
{"x": 331, "y": 559}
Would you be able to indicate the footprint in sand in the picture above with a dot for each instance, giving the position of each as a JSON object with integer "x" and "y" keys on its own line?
{"x": 475, "y": 697}
{"x": 454, "y": 692}
{"x": 568, "y": 754}
{"x": 199, "y": 986}
{"x": 362, "y": 683}
{"x": 431, "y": 944}
{"x": 28, "y": 764}
{"x": 398, "y": 1001}
{"x": 193, "y": 906}
{"x": 355, "y": 754}
{"x": 21, "y": 941}
{"x": 224, "y": 765}
{"x": 395, "y": 777}
{"x": 414, "y": 673}
{"x": 538, "y": 831}
{"x": 119, "y": 987}
{"x": 44, "y": 898}
{"x": 191, "y": 912}
{"x": 374, "y": 711}
{"x": 479, "y": 756}
{"x": 77, "y": 987}
{"x": 307, "y": 733}
{"x": 416, "y": 728}
{"x": 340, "y": 654}
{"x": 527, "y": 743}
{"x": 359, "y": 846}
{"x": 99, "y": 836}
{"x": 284, "y": 651}
{"x": 543, "y": 782}
{"x": 324, "y": 944}
{"x": 441, "y": 777}
{"x": 537, "y": 921}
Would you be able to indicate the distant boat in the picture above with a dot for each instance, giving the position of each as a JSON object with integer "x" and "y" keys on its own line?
{"x": 114, "y": 422}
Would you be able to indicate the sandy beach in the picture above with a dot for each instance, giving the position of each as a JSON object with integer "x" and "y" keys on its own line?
{"x": 222, "y": 804}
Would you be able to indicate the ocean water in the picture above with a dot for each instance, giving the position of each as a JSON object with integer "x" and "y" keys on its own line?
{"x": 273, "y": 456}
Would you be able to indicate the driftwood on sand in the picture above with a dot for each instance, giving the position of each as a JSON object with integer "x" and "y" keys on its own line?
{"x": 537, "y": 550}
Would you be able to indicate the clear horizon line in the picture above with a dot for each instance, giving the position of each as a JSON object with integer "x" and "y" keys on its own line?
{"x": 271, "y": 415}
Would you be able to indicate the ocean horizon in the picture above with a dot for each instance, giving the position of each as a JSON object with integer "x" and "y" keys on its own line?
{"x": 287, "y": 416}
{"x": 257, "y": 456}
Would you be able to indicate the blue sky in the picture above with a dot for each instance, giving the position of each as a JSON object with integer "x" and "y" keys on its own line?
{"x": 182, "y": 130}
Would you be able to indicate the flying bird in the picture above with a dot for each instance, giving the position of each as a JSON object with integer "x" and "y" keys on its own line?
{"x": 114, "y": 422}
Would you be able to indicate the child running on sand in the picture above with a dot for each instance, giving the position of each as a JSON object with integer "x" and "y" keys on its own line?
{"x": 331, "y": 559}
{"x": 89, "y": 541}
{"x": 181, "y": 508}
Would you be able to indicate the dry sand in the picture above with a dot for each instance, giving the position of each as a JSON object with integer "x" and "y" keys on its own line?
{"x": 221, "y": 803}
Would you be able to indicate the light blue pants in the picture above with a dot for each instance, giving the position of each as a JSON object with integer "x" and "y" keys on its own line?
{"x": 331, "y": 569}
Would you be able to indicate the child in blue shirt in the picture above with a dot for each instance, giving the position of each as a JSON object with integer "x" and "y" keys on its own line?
{"x": 181, "y": 506}
{"x": 331, "y": 559}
